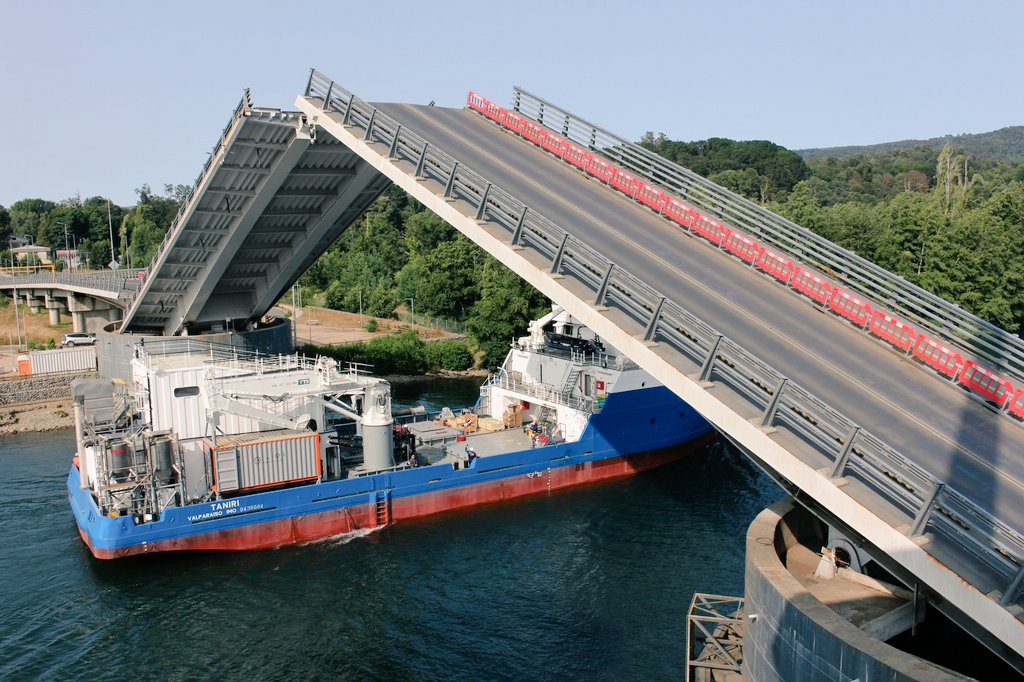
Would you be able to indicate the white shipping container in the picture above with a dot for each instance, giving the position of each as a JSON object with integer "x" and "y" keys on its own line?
{"x": 63, "y": 360}
{"x": 259, "y": 460}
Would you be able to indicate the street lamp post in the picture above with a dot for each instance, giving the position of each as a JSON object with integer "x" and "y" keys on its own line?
{"x": 67, "y": 250}
{"x": 360, "y": 306}
{"x": 412, "y": 307}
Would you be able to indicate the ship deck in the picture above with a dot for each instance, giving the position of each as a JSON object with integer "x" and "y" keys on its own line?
{"x": 484, "y": 443}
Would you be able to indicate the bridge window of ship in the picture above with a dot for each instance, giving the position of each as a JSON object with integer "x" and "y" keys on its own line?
{"x": 186, "y": 392}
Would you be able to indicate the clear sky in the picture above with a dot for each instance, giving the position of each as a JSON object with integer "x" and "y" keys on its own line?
{"x": 98, "y": 98}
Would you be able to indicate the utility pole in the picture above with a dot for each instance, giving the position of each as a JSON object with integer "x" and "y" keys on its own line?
{"x": 17, "y": 323}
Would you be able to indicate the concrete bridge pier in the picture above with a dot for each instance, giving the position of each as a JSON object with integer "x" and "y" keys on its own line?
{"x": 90, "y": 314}
{"x": 35, "y": 303}
{"x": 54, "y": 307}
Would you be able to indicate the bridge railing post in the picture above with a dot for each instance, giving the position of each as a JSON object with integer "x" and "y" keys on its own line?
{"x": 482, "y": 208}
{"x": 450, "y": 186}
{"x": 369, "y": 126}
{"x": 556, "y": 263}
{"x": 327, "y": 97}
{"x": 769, "y": 412}
{"x": 709, "y": 361}
{"x": 393, "y": 151}
{"x": 844, "y": 456}
{"x": 1013, "y": 589}
{"x": 517, "y": 234}
{"x": 652, "y": 326}
{"x": 422, "y": 160}
{"x": 347, "y": 118}
{"x": 603, "y": 289}
{"x": 921, "y": 520}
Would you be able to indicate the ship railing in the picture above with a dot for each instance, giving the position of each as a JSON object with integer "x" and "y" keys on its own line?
{"x": 543, "y": 393}
{"x": 584, "y": 358}
{"x": 236, "y": 357}
{"x": 604, "y": 360}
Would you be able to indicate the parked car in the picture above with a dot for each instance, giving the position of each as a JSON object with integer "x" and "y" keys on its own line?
{"x": 78, "y": 339}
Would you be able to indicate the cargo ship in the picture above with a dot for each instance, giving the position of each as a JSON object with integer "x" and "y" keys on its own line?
{"x": 211, "y": 449}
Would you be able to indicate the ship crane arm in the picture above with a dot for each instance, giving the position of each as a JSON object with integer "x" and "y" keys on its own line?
{"x": 536, "y": 327}
{"x": 232, "y": 403}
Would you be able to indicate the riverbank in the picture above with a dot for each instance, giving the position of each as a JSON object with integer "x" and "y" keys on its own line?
{"x": 44, "y": 415}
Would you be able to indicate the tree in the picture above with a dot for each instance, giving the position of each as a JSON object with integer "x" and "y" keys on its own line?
{"x": 5, "y": 226}
{"x": 447, "y": 285}
{"x": 142, "y": 235}
{"x": 507, "y": 303}
{"x": 28, "y": 215}
{"x": 424, "y": 231}
{"x": 803, "y": 208}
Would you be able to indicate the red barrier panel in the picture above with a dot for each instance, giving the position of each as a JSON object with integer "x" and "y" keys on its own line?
{"x": 849, "y": 306}
{"x": 600, "y": 168}
{"x": 650, "y": 196}
{"x": 986, "y": 383}
{"x": 1016, "y": 407}
{"x": 555, "y": 144}
{"x": 514, "y": 122}
{"x": 743, "y": 247}
{"x": 534, "y": 132}
{"x": 475, "y": 101}
{"x": 775, "y": 265}
{"x": 494, "y": 112}
{"x": 677, "y": 211}
{"x": 896, "y": 332}
{"x": 707, "y": 228}
{"x": 577, "y": 156}
{"x": 624, "y": 182}
{"x": 809, "y": 284}
{"x": 943, "y": 359}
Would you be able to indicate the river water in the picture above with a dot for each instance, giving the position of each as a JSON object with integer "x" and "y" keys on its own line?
{"x": 590, "y": 583}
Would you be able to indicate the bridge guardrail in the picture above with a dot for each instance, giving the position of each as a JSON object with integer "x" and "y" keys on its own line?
{"x": 851, "y": 450}
{"x": 942, "y": 318}
{"x": 119, "y": 282}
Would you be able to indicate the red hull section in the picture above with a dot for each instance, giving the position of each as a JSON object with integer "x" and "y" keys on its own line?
{"x": 338, "y": 521}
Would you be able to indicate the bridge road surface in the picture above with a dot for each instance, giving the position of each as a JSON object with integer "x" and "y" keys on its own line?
{"x": 930, "y": 421}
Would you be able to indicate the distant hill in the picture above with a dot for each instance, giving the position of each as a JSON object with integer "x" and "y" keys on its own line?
{"x": 1005, "y": 144}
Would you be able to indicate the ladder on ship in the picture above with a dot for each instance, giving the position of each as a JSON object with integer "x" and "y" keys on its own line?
{"x": 570, "y": 381}
{"x": 382, "y": 508}
{"x": 547, "y": 420}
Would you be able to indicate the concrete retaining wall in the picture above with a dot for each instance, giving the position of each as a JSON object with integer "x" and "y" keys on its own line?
{"x": 791, "y": 636}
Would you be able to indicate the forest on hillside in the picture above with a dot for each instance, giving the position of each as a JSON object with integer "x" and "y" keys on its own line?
{"x": 1005, "y": 144}
{"x": 944, "y": 219}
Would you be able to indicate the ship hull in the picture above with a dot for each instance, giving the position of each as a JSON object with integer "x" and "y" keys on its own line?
{"x": 322, "y": 510}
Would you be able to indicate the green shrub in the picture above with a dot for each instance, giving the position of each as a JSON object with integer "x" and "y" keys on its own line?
{"x": 448, "y": 355}
{"x": 371, "y": 325}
